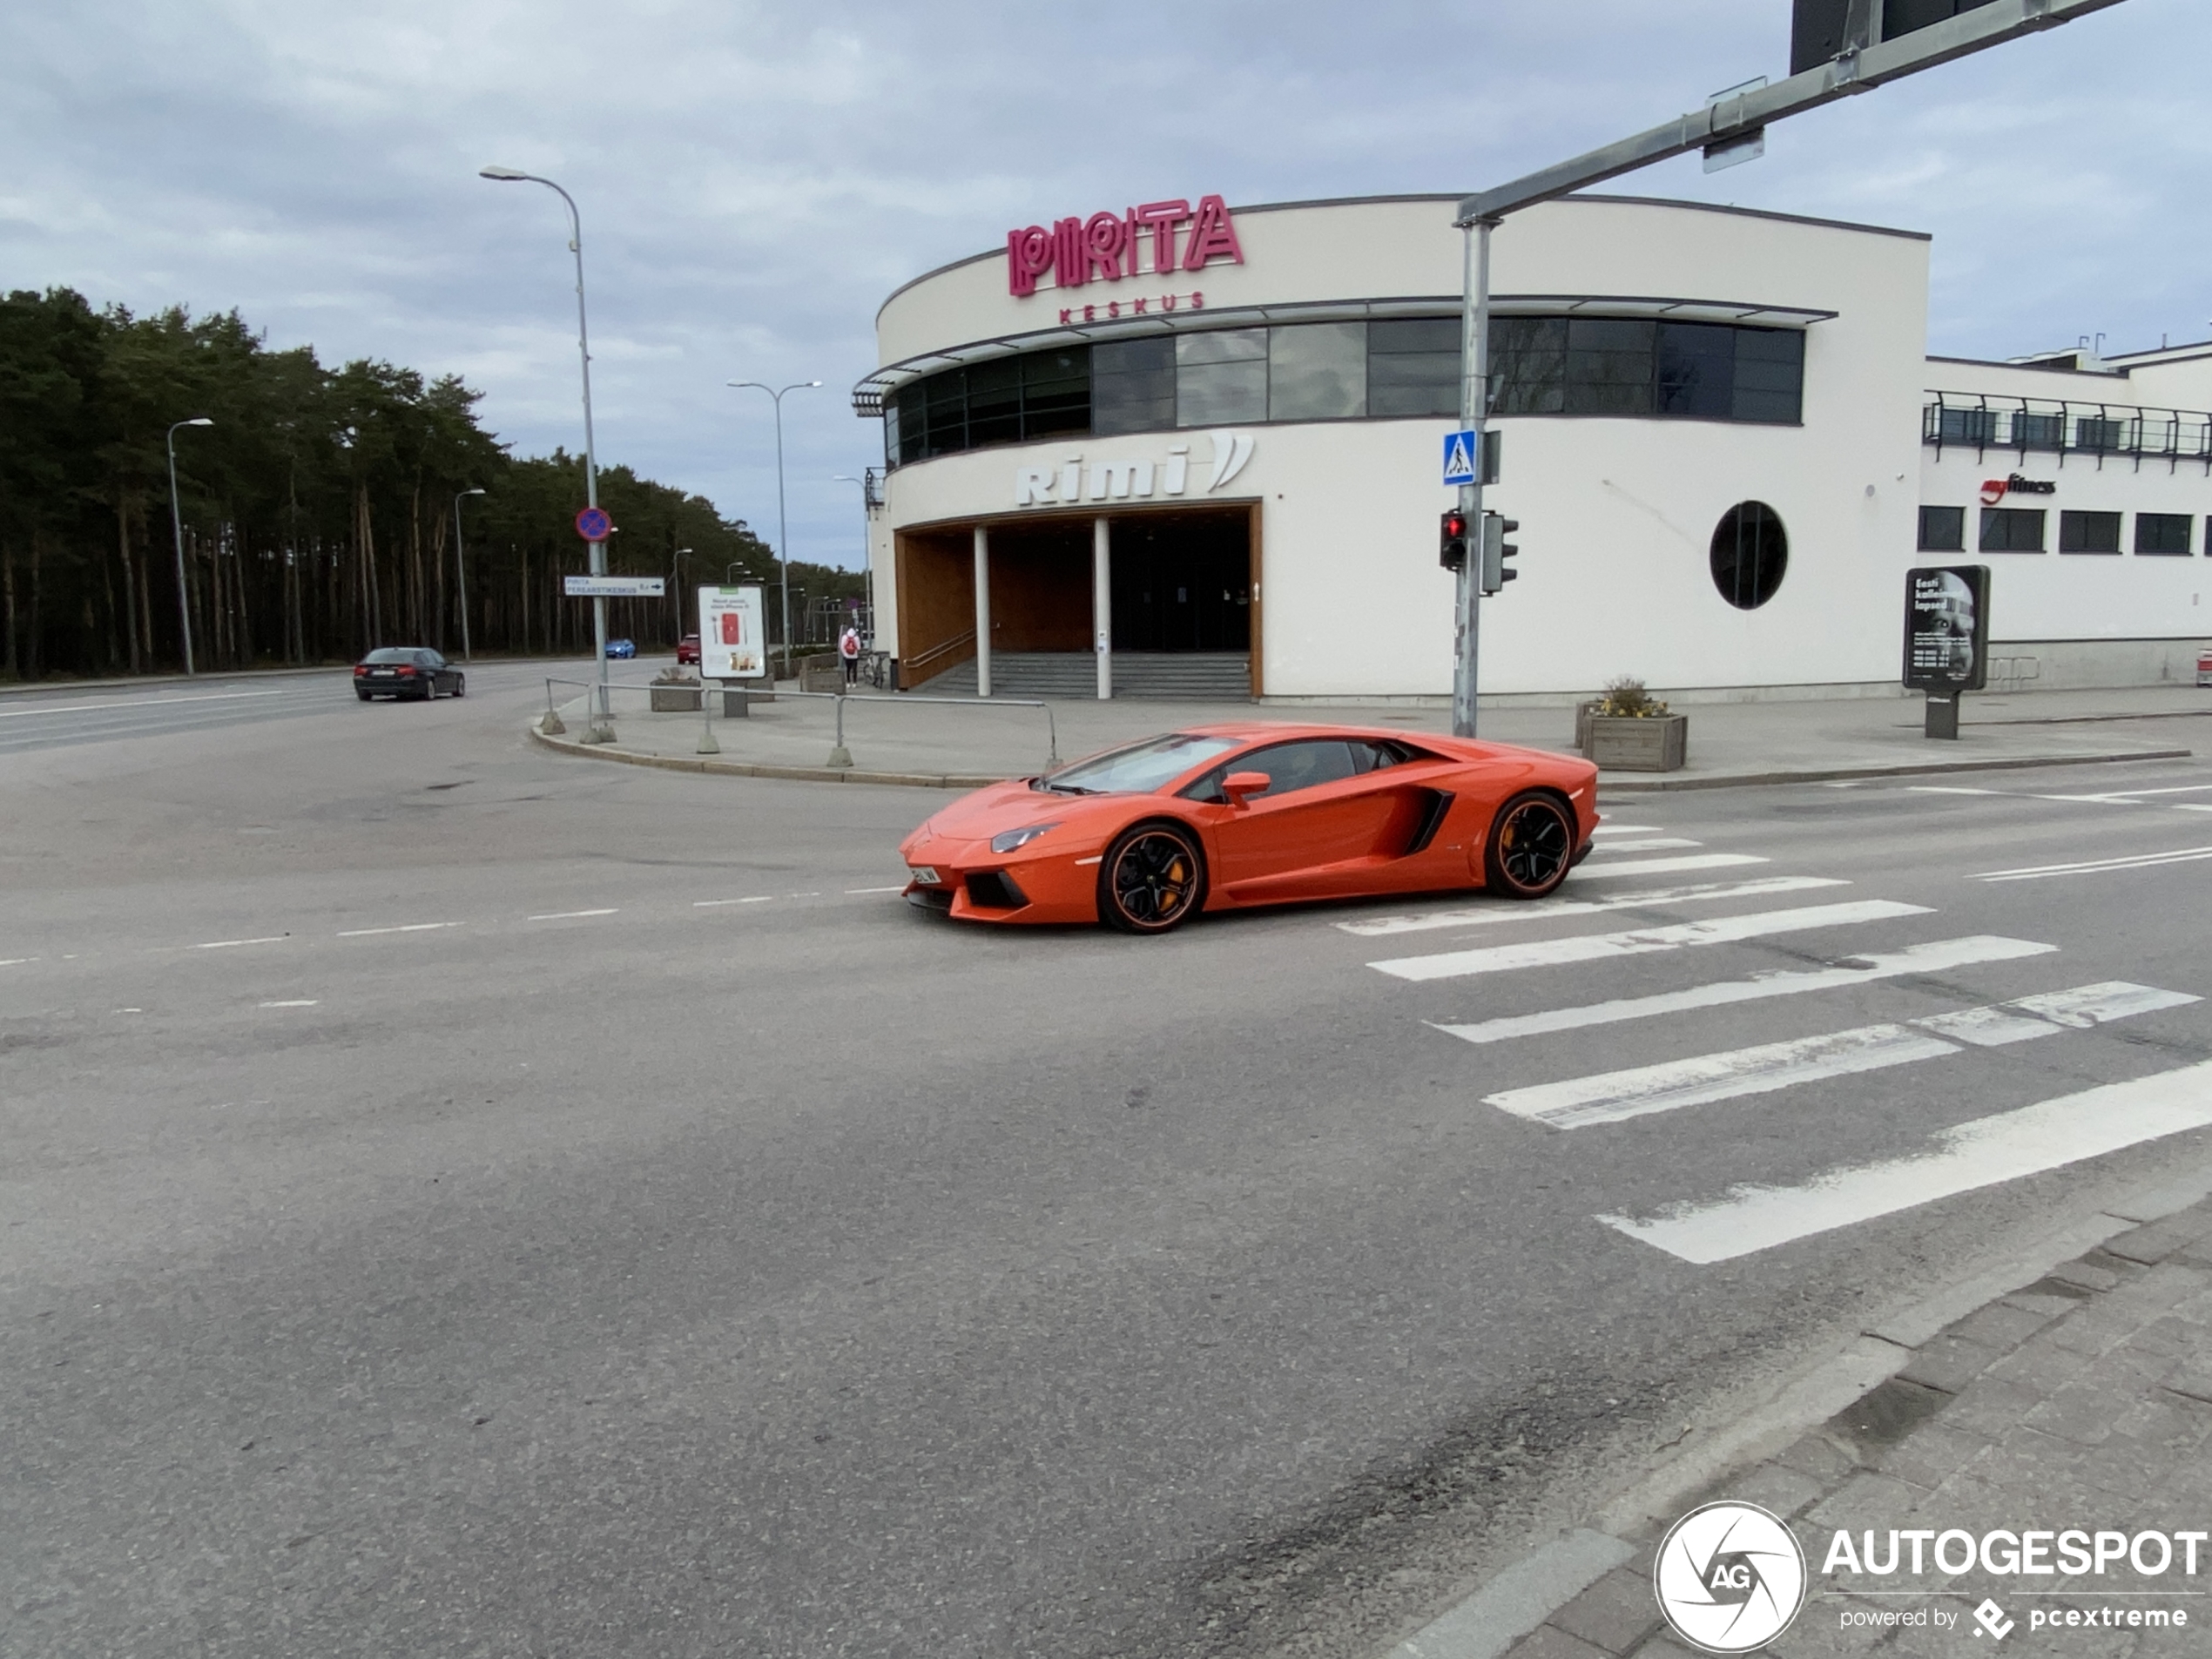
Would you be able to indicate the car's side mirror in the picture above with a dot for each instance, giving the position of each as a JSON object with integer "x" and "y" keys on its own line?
{"x": 1238, "y": 784}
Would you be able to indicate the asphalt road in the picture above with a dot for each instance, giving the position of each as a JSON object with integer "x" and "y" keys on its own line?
{"x": 463, "y": 1199}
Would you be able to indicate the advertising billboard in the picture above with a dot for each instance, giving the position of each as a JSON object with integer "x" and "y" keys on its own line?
{"x": 1947, "y": 628}
{"x": 733, "y": 645}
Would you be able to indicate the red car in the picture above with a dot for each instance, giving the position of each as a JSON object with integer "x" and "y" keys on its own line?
{"x": 687, "y": 649}
{"x": 1227, "y": 817}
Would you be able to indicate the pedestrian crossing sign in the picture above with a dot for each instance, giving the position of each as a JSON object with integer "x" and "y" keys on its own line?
{"x": 1458, "y": 457}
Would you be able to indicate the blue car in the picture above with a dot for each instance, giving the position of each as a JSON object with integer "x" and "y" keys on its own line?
{"x": 623, "y": 648}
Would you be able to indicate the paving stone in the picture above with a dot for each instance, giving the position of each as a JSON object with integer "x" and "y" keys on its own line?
{"x": 2163, "y": 1424}
{"x": 1819, "y": 1457}
{"x": 2159, "y": 1288}
{"x": 1547, "y": 1642}
{"x": 1949, "y": 1363}
{"x": 1886, "y": 1414}
{"x": 1614, "y": 1614}
{"x": 2004, "y": 1327}
{"x": 2081, "y": 1273}
{"x": 1772, "y": 1486}
{"x": 2094, "y": 1328}
{"x": 1867, "y": 1500}
{"x": 1932, "y": 1454}
{"x": 2041, "y": 1365}
{"x": 2081, "y": 1414}
{"x": 2029, "y": 1460}
{"x": 1993, "y": 1407}
{"x": 2173, "y": 1337}
{"x": 1818, "y": 1634}
{"x": 2192, "y": 1379}
{"x": 2044, "y": 1302}
{"x": 1663, "y": 1646}
{"x": 2152, "y": 1243}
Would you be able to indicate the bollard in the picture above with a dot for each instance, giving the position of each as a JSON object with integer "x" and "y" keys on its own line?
{"x": 707, "y": 744}
{"x": 841, "y": 757}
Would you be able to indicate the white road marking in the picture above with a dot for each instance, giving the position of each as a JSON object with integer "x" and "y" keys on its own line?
{"x": 849, "y": 892}
{"x": 1627, "y": 829}
{"x": 1945, "y": 789}
{"x": 411, "y": 927}
{"x": 570, "y": 915}
{"x": 2096, "y": 867}
{"x": 2191, "y": 806}
{"x": 1937, "y": 957}
{"x": 1655, "y": 844}
{"x": 802, "y": 895}
{"x": 2132, "y": 797}
{"x": 226, "y": 944}
{"x": 297, "y": 1002}
{"x": 134, "y": 703}
{"x": 1586, "y": 947}
{"x": 1661, "y": 867}
{"x": 710, "y": 904}
{"x": 1505, "y": 910}
{"x": 1613, "y": 1096}
{"x": 17, "y": 961}
{"x": 130, "y": 1010}
{"x": 1984, "y": 1153}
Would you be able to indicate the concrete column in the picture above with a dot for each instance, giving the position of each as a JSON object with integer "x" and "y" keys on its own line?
{"x": 1101, "y": 603}
{"x": 982, "y": 612}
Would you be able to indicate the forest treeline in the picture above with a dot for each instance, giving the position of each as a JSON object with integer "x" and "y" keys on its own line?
{"x": 317, "y": 510}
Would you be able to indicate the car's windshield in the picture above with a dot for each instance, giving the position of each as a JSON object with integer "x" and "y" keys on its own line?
{"x": 390, "y": 654}
{"x": 1141, "y": 766}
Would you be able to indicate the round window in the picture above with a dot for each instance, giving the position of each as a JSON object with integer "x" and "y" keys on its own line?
{"x": 1751, "y": 552}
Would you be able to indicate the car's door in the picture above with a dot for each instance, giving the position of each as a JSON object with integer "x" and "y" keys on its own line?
{"x": 436, "y": 667}
{"x": 1327, "y": 804}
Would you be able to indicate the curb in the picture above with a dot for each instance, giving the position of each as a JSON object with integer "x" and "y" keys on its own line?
{"x": 1587, "y": 1593}
{"x": 1614, "y": 786}
{"x": 748, "y": 769}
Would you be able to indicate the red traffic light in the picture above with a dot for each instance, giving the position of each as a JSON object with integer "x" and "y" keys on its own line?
{"x": 1452, "y": 550}
{"x": 1455, "y": 524}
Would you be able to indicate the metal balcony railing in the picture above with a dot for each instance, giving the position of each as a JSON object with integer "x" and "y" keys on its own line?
{"x": 2024, "y": 425}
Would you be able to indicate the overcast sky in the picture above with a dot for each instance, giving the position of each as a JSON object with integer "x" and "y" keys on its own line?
{"x": 755, "y": 177}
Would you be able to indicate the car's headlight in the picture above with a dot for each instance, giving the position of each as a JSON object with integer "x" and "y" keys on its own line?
{"x": 1007, "y": 841}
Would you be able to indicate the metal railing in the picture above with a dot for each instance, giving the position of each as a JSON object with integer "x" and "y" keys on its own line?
{"x": 2057, "y": 426}
{"x": 919, "y": 668}
{"x": 841, "y": 757}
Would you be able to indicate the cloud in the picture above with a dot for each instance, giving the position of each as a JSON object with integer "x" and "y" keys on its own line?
{"x": 755, "y": 177}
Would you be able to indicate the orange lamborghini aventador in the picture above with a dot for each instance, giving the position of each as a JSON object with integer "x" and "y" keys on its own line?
{"x": 1226, "y": 817}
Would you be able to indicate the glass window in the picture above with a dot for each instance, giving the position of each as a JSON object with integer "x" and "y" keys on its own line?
{"x": 1943, "y": 530}
{"x": 1317, "y": 371}
{"x": 1412, "y": 367}
{"x": 1289, "y": 766}
{"x": 1221, "y": 377}
{"x": 1132, "y": 385}
{"x": 1977, "y": 426}
{"x": 1749, "y": 554}
{"x": 2100, "y": 433}
{"x": 1140, "y": 766}
{"x": 994, "y": 401}
{"x": 948, "y": 412}
{"x": 1608, "y": 366}
{"x": 1055, "y": 391}
{"x": 1697, "y": 369}
{"x": 1529, "y": 365}
{"x": 2088, "y": 532}
{"x": 1770, "y": 375}
{"x": 2012, "y": 530}
{"x": 2164, "y": 532}
{"x": 2038, "y": 432}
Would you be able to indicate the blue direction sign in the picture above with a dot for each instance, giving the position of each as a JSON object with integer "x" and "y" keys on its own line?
{"x": 1458, "y": 457}
{"x": 593, "y": 525}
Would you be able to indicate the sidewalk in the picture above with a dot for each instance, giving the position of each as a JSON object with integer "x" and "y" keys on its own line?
{"x": 2081, "y": 1399}
{"x": 899, "y": 741}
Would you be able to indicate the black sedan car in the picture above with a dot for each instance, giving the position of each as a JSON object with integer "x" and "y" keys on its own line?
{"x": 407, "y": 670}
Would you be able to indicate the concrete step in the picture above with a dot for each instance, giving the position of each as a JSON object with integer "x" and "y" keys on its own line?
{"x": 1196, "y": 676}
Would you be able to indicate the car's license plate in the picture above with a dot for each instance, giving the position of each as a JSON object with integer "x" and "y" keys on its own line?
{"x": 923, "y": 874}
{"x": 380, "y": 673}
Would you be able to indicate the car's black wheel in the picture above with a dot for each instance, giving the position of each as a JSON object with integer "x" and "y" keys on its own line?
{"x": 1152, "y": 879}
{"x": 1531, "y": 847}
{"x": 461, "y": 685}
{"x": 431, "y": 689}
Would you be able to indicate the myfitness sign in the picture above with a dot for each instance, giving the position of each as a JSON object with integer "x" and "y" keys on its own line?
{"x": 1157, "y": 238}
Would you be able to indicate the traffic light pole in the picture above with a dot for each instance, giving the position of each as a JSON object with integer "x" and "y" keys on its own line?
{"x": 1474, "y": 416}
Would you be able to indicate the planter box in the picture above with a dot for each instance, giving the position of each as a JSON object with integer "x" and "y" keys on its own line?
{"x": 1625, "y": 743}
{"x": 675, "y": 699}
{"x": 821, "y": 674}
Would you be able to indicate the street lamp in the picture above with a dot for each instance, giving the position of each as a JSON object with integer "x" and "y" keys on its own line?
{"x": 598, "y": 733}
{"x": 867, "y": 563}
{"x": 460, "y": 567}
{"x": 177, "y": 523}
{"x": 676, "y": 589}
{"x": 783, "y": 527}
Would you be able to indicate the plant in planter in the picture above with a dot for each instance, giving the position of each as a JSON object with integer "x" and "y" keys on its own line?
{"x": 673, "y": 691}
{"x": 1628, "y": 730}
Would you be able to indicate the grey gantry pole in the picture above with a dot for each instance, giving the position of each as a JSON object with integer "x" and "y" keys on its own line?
{"x": 177, "y": 523}
{"x": 867, "y": 560}
{"x": 599, "y": 731}
{"x": 1474, "y": 415}
{"x": 783, "y": 526}
{"x": 461, "y": 570}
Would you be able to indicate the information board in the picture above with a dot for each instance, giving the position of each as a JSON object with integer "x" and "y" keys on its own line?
{"x": 1947, "y": 628}
{"x": 614, "y": 587}
{"x": 732, "y": 644}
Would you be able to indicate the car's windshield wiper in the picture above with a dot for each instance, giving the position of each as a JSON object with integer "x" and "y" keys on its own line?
{"x": 1072, "y": 789}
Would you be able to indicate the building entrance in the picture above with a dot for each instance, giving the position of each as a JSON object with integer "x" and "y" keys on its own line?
{"x": 1182, "y": 581}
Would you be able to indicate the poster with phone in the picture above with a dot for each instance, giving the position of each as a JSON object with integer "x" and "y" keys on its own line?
{"x": 732, "y": 644}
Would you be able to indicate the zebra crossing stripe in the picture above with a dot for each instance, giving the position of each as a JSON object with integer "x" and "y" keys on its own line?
{"x": 1984, "y": 1153}
{"x": 1495, "y": 910}
{"x": 1938, "y": 957}
{"x": 1639, "y": 942}
{"x": 1661, "y": 867}
{"x": 1613, "y": 1097}
{"x": 1650, "y": 844}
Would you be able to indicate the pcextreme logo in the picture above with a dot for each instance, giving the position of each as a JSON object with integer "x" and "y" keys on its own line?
{"x": 1729, "y": 1577}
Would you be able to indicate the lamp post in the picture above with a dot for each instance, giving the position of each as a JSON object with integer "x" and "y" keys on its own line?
{"x": 460, "y": 569}
{"x": 599, "y": 731}
{"x": 177, "y": 523}
{"x": 783, "y": 526}
{"x": 867, "y": 562}
{"x": 675, "y": 589}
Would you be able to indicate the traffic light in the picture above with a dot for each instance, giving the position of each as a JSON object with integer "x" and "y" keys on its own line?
{"x": 1452, "y": 554}
{"x": 1496, "y": 550}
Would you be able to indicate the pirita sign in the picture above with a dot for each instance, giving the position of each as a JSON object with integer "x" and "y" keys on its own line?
{"x": 1108, "y": 246}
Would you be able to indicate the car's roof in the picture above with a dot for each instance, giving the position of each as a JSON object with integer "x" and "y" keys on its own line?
{"x": 1277, "y": 731}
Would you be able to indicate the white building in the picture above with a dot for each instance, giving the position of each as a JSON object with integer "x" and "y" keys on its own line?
{"x": 1169, "y": 447}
